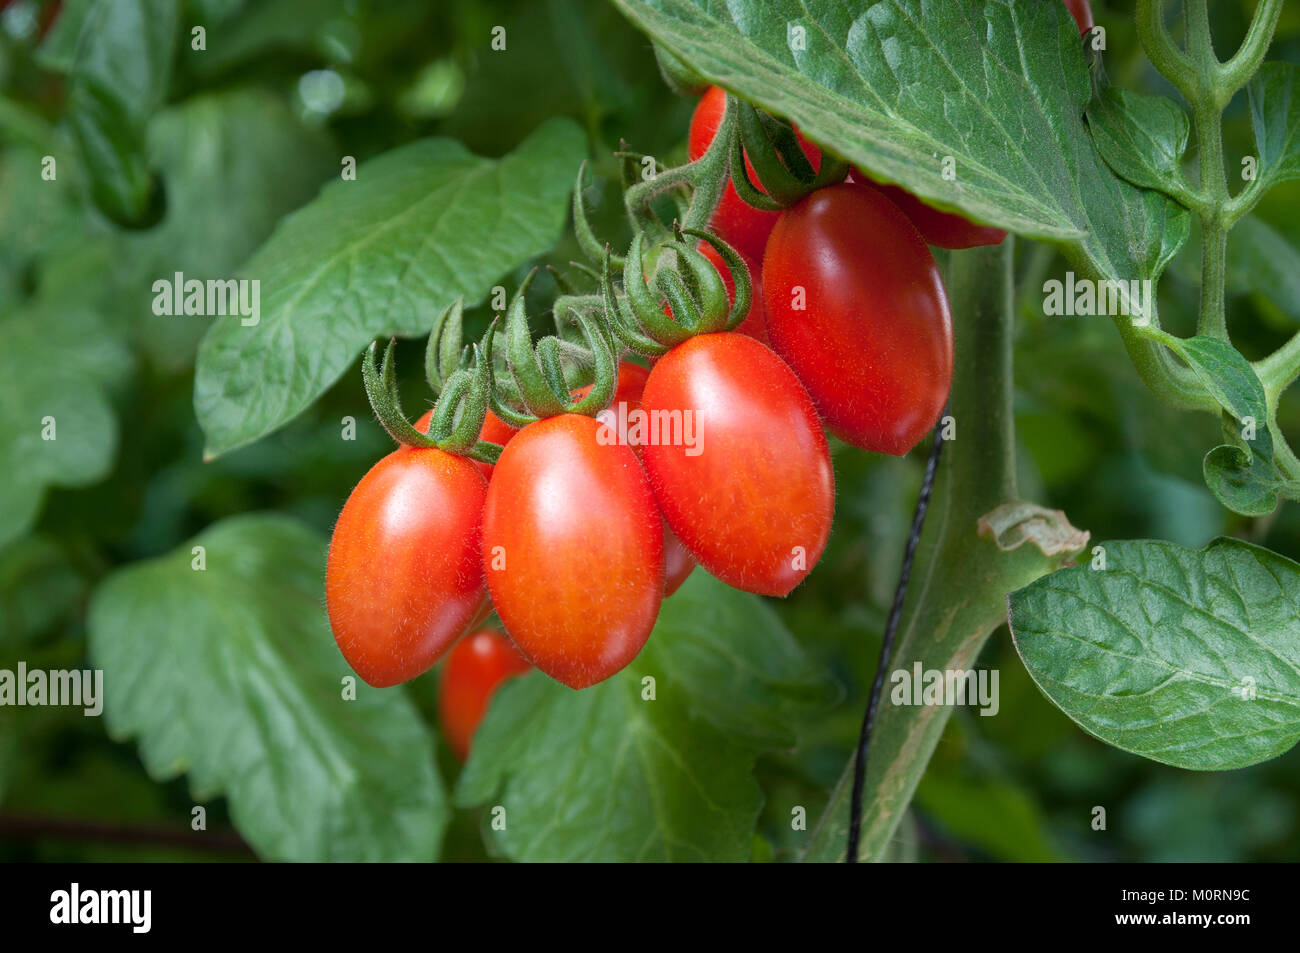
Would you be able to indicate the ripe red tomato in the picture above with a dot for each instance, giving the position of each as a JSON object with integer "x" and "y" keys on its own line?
{"x": 476, "y": 665}
{"x": 573, "y": 549}
{"x": 1082, "y": 13}
{"x": 404, "y": 577}
{"x": 743, "y": 226}
{"x": 745, "y": 481}
{"x": 678, "y": 563}
{"x": 874, "y": 344}
{"x": 494, "y": 430}
{"x": 942, "y": 229}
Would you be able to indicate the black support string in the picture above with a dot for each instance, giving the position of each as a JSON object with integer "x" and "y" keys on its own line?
{"x": 887, "y": 646}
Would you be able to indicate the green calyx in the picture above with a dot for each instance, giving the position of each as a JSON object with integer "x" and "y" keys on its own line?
{"x": 784, "y": 172}
{"x": 540, "y": 373}
{"x": 687, "y": 281}
{"x": 457, "y": 417}
{"x": 446, "y": 353}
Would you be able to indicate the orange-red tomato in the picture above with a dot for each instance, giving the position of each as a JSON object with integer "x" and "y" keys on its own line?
{"x": 1082, "y": 13}
{"x": 573, "y": 549}
{"x": 678, "y": 563}
{"x": 744, "y": 478}
{"x": 404, "y": 577}
{"x": 474, "y": 668}
{"x": 873, "y": 340}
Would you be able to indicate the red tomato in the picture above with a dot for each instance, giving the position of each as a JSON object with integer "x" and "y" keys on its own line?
{"x": 573, "y": 549}
{"x": 874, "y": 345}
{"x": 495, "y": 430}
{"x": 474, "y": 668}
{"x": 942, "y": 229}
{"x": 404, "y": 578}
{"x": 678, "y": 563}
{"x": 1082, "y": 13}
{"x": 742, "y": 225}
{"x": 746, "y": 483}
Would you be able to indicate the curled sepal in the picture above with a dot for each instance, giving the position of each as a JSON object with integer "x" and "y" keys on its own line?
{"x": 537, "y": 372}
{"x": 740, "y": 276}
{"x": 381, "y": 388}
{"x": 620, "y": 323}
{"x": 445, "y": 352}
{"x": 643, "y": 301}
{"x": 772, "y": 147}
{"x": 459, "y": 413}
{"x": 587, "y": 241}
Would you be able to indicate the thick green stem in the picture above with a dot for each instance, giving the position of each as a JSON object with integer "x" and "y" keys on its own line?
{"x": 1207, "y": 112}
{"x": 1235, "y": 73}
{"x": 1279, "y": 370}
{"x": 959, "y": 597}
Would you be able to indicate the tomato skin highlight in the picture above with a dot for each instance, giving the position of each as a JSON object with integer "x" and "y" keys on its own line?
{"x": 573, "y": 549}
{"x": 874, "y": 345}
{"x": 494, "y": 430}
{"x": 473, "y": 670}
{"x": 761, "y": 484}
{"x": 742, "y": 225}
{"x": 404, "y": 577}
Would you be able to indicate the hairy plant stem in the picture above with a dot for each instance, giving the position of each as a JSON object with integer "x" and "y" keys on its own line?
{"x": 959, "y": 596}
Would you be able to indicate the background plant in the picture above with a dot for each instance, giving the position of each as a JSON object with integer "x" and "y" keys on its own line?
{"x": 218, "y": 147}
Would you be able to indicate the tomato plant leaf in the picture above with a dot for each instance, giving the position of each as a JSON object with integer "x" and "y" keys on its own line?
{"x": 119, "y": 68}
{"x": 1245, "y": 477}
{"x": 846, "y": 74}
{"x": 1142, "y": 138}
{"x": 380, "y": 255}
{"x": 1187, "y": 657}
{"x": 229, "y": 673}
{"x": 1262, "y": 261}
{"x": 1274, "y": 94}
{"x": 610, "y": 774}
{"x": 57, "y": 428}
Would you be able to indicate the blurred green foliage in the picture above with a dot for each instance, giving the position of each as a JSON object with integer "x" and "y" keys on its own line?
{"x": 250, "y": 130}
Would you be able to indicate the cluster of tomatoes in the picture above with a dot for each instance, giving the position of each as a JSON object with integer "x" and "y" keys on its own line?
{"x": 582, "y": 527}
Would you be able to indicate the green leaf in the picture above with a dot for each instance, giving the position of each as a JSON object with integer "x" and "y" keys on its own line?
{"x": 1274, "y": 94}
{"x": 988, "y": 811}
{"x": 38, "y": 587}
{"x": 606, "y": 775}
{"x": 378, "y": 256}
{"x": 1262, "y": 261}
{"x": 119, "y": 71}
{"x": 230, "y": 674}
{"x": 1027, "y": 164}
{"x": 234, "y": 163}
{"x": 1188, "y": 657}
{"x": 1245, "y": 477}
{"x": 57, "y": 428}
{"x": 1142, "y": 138}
